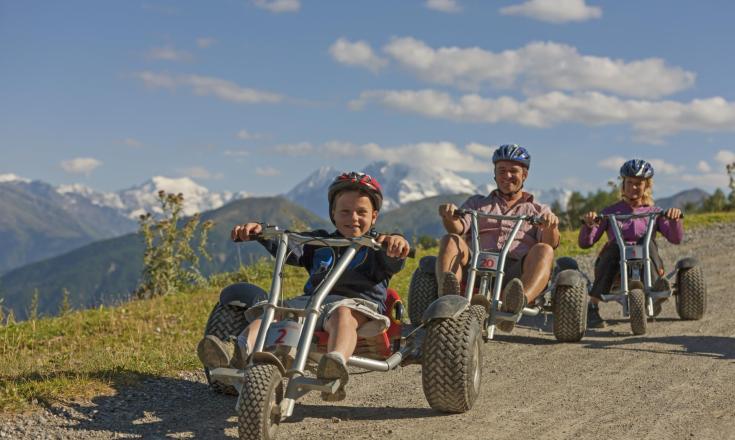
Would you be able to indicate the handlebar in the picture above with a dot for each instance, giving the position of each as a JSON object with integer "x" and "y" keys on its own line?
{"x": 532, "y": 219}
{"x": 274, "y": 232}
{"x": 624, "y": 217}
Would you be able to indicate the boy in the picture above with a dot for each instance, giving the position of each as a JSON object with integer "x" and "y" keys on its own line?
{"x": 355, "y": 305}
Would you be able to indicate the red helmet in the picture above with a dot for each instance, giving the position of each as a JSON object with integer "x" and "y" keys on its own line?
{"x": 356, "y": 181}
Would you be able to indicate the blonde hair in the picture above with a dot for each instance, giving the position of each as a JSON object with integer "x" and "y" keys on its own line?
{"x": 646, "y": 199}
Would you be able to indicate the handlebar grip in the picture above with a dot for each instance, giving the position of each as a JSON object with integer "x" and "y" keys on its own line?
{"x": 250, "y": 237}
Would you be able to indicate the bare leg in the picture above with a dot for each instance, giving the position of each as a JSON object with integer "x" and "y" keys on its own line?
{"x": 537, "y": 270}
{"x": 342, "y": 327}
{"x": 454, "y": 254}
{"x": 251, "y": 332}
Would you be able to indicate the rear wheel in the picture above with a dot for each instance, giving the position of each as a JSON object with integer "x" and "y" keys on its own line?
{"x": 691, "y": 298}
{"x": 422, "y": 291}
{"x": 451, "y": 371}
{"x": 637, "y": 306}
{"x": 224, "y": 321}
{"x": 569, "y": 305}
{"x": 259, "y": 413}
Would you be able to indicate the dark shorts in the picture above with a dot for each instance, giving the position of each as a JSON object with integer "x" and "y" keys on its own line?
{"x": 607, "y": 268}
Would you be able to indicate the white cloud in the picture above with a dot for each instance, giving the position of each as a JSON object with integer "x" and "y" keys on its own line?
{"x": 660, "y": 166}
{"x": 198, "y": 172}
{"x": 168, "y": 53}
{"x": 207, "y": 85}
{"x": 703, "y": 167}
{"x": 278, "y": 6}
{"x": 538, "y": 66}
{"x": 133, "y": 143}
{"x": 299, "y": 149}
{"x": 554, "y": 11}
{"x": 712, "y": 180}
{"x": 236, "y": 153}
{"x": 655, "y": 119}
{"x": 725, "y": 157}
{"x": 80, "y": 165}
{"x": 444, "y": 155}
{"x": 358, "y": 53}
{"x": 205, "y": 42}
{"x": 480, "y": 150}
{"x": 612, "y": 163}
{"x": 246, "y": 135}
{"x": 267, "y": 171}
{"x": 13, "y": 178}
{"x": 443, "y": 5}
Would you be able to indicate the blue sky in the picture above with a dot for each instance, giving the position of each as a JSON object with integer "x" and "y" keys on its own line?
{"x": 253, "y": 95}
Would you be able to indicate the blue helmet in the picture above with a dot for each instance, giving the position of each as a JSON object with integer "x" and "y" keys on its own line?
{"x": 637, "y": 168}
{"x": 513, "y": 153}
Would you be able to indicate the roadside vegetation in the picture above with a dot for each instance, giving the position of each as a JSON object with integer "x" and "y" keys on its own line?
{"x": 82, "y": 354}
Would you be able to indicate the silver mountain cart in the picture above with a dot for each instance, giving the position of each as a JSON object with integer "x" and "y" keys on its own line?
{"x": 278, "y": 373}
{"x": 565, "y": 297}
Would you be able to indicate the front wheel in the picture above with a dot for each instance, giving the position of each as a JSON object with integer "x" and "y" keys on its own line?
{"x": 691, "y": 298}
{"x": 637, "y": 306}
{"x": 451, "y": 371}
{"x": 259, "y": 413}
{"x": 569, "y": 305}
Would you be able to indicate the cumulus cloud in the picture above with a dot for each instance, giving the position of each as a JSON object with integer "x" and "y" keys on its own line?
{"x": 209, "y": 86}
{"x": 247, "y": 135}
{"x": 725, "y": 157}
{"x": 267, "y": 171}
{"x": 168, "y": 53}
{"x": 278, "y": 6}
{"x": 480, "y": 150}
{"x": 205, "y": 42}
{"x": 660, "y": 166}
{"x": 703, "y": 167}
{"x": 654, "y": 119}
{"x": 445, "y": 155}
{"x": 298, "y": 149}
{"x": 712, "y": 180}
{"x": 443, "y": 5}
{"x": 537, "y": 67}
{"x": 132, "y": 143}
{"x": 199, "y": 172}
{"x": 611, "y": 163}
{"x": 358, "y": 53}
{"x": 554, "y": 11}
{"x": 80, "y": 165}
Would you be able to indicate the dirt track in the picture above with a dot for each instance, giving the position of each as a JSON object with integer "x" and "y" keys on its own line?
{"x": 676, "y": 382}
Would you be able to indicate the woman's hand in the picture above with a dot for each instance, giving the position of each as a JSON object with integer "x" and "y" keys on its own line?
{"x": 246, "y": 231}
{"x": 589, "y": 218}
{"x": 673, "y": 213}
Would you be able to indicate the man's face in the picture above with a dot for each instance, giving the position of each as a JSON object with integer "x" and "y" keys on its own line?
{"x": 509, "y": 176}
{"x": 353, "y": 213}
{"x": 633, "y": 187}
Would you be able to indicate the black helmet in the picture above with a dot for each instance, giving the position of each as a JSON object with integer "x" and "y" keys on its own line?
{"x": 637, "y": 168}
{"x": 356, "y": 181}
{"x": 513, "y": 153}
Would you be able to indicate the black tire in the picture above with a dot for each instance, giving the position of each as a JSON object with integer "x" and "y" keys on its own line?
{"x": 422, "y": 291}
{"x": 259, "y": 413}
{"x": 224, "y": 321}
{"x": 691, "y": 298}
{"x": 569, "y": 305}
{"x": 637, "y": 305}
{"x": 451, "y": 366}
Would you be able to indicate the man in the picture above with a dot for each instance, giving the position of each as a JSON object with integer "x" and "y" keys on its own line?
{"x": 531, "y": 255}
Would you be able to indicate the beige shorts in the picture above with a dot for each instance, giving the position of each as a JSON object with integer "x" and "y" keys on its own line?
{"x": 377, "y": 322}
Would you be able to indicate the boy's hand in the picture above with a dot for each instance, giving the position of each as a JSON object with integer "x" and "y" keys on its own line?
{"x": 589, "y": 218}
{"x": 673, "y": 213}
{"x": 244, "y": 232}
{"x": 395, "y": 245}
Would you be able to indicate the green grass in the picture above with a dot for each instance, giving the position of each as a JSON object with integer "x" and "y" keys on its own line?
{"x": 90, "y": 353}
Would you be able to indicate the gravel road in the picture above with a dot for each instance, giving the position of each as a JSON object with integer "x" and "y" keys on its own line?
{"x": 676, "y": 382}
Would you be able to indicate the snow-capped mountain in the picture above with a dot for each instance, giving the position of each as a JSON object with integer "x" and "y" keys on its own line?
{"x": 402, "y": 184}
{"x": 137, "y": 200}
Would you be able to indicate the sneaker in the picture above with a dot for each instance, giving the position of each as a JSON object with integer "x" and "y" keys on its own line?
{"x": 514, "y": 300}
{"x": 594, "y": 320}
{"x": 450, "y": 285}
{"x": 214, "y": 352}
{"x": 333, "y": 366}
{"x": 241, "y": 353}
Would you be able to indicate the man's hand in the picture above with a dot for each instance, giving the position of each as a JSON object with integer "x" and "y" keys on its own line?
{"x": 673, "y": 213}
{"x": 549, "y": 220}
{"x": 589, "y": 218}
{"x": 446, "y": 211}
{"x": 395, "y": 245}
{"x": 243, "y": 232}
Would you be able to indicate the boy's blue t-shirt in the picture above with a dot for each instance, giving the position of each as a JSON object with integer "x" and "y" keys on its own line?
{"x": 366, "y": 277}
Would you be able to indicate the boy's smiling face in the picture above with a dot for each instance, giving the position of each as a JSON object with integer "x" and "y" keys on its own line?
{"x": 353, "y": 213}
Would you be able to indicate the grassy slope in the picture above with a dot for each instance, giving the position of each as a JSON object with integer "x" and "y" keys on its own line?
{"x": 87, "y": 353}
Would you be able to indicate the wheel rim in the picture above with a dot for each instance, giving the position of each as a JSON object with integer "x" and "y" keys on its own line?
{"x": 476, "y": 376}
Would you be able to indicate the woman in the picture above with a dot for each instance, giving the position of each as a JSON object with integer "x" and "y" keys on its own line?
{"x": 636, "y": 194}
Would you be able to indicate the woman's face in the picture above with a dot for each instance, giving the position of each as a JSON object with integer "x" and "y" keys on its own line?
{"x": 634, "y": 188}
